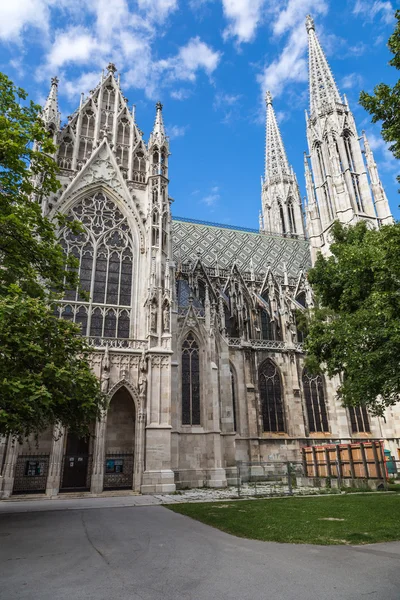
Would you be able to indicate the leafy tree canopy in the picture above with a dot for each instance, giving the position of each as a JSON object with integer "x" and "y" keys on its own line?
{"x": 384, "y": 104}
{"x": 355, "y": 331}
{"x": 44, "y": 370}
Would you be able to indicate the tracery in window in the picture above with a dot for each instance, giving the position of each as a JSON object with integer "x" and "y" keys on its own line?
{"x": 315, "y": 402}
{"x": 271, "y": 397}
{"x": 190, "y": 382}
{"x": 105, "y": 253}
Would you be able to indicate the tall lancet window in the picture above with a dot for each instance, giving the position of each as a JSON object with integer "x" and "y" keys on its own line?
{"x": 315, "y": 402}
{"x": 190, "y": 381}
{"x": 359, "y": 419}
{"x": 347, "y": 139}
{"x": 271, "y": 397}
{"x": 282, "y": 217}
{"x": 105, "y": 251}
{"x": 292, "y": 221}
{"x": 324, "y": 182}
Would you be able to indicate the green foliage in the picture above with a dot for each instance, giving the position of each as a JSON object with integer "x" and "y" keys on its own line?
{"x": 44, "y": 371}
{"x": 29, "y": 251}
{"x": 355, "y": 331}
{"x": 384, "y": 104}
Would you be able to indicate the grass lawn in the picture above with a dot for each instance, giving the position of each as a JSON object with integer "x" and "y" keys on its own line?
{"x": 358, "y": 519}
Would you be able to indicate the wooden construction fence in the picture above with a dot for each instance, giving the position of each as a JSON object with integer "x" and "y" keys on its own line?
{"x": 359, "y": 460}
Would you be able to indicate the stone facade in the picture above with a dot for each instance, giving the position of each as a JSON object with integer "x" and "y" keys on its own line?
{"x": 193, "y": 325}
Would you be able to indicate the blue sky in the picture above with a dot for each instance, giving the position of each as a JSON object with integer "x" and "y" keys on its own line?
{"x": 209, "y": 62}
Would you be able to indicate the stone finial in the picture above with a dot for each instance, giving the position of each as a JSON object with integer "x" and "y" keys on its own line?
{"x": 111, "y": 68}
{"x": 309, "y": 23}
{"x": 159, "y": 106}
{"x": 268, "y": 98}
{"x": 54, "y": 81}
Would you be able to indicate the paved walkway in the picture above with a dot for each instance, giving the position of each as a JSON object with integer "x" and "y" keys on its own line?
{"x": 150, "y": 553}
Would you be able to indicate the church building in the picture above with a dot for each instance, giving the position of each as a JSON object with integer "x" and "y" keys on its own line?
{"x": 193, "y": 324}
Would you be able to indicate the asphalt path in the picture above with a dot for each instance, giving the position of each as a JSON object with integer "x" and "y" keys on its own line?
{"x": 151, "y": 553}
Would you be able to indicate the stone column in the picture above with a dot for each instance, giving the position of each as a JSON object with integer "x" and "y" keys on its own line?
{"x": 56, "y": 461}
{"x": 139, "y": 449}
{"x": 97, "y": 481}
{"x": 10, "y": 464}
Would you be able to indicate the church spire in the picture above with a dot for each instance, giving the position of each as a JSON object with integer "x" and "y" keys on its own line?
{"x": 323, "y": 89}
{"x": 380, "y": 199}
{"x": 280, "y": 197}
{"x": 50, "y": 114}
{"x": 339, "y": 186}
{"x": 158, "y": 133}
{"x": 276, "y": 162}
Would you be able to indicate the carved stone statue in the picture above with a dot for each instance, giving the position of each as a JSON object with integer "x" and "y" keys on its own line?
{"x": 153, "y": 317}
{"x": 142, "y": 384}
{"x": 166, "y": 318}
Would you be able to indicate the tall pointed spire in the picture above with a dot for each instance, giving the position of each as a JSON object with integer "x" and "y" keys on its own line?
{"x": 380, "y": 199}
{"x": 276, "y": 162}
{"x": 323, "y": 89}
{"x": 158, "y": 133}
{"x": 281, "y": 202}
{"x": 339, "y": 187}
{"x": 50, "y": 114}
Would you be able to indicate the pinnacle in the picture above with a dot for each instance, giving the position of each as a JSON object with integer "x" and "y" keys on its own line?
{"x": 111, "y": 68}
{"x": 268, "y": 98}
{"x": 309, "y": 23}
{"x": 276, "y": 162}
{"x": 323, "y": 89}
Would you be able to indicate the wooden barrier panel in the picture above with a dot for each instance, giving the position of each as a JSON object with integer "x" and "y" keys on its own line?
{"x": 359, "y": 460}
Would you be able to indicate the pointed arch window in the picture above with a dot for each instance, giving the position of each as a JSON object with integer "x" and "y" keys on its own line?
{"x": 301, "y": 299}
{"x": 292, "y": 221}
{"x": 105, "y": 252}
{"x": 359, "y": 419}
{"x": 348, "y": 144}
{"x": 271, "y": 397}
{"x": 190, "y": 381}
{"x": 234, "y": 407}
{"x": 282, "y": 217}
{"x": 315, "y": 402}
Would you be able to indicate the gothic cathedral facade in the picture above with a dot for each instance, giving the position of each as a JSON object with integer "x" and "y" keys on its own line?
{"x": 192, "y": 324}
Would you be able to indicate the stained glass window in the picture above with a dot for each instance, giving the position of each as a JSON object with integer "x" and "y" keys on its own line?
{"x": 105, "y": 253}
{"x": 271, "y": 397}
{"x": 190, "y": 382}
{"x": 315, "y": 402}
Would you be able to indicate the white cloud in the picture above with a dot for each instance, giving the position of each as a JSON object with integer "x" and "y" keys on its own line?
{"x": 212, "y": 197}
{"x": 84, "y": 83}
{"x": 175, "y": 131}
{"x": 370, "y": 10}
{"x": 195, "y": 55}
{"x": 243, "y": 18}
{"x": 75, "y": 45}
{"x": 180, "y": 94}
{"x": 17, "y": 15}
{"x": 291, "y": 64}
{"x": 351, "y": 81}
{"x": 158, "y": 9}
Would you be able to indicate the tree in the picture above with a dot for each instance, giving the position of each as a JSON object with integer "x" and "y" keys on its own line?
{"x": 44, "y": 370}
{"x": 355, "y": 330}
{"x": 384, "y": 104}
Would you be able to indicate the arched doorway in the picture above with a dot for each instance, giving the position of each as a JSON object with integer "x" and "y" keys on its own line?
{"x": 120, "y": 441}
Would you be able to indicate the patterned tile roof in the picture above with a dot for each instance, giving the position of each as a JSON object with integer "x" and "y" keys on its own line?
{"x": 231, "y": 244}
